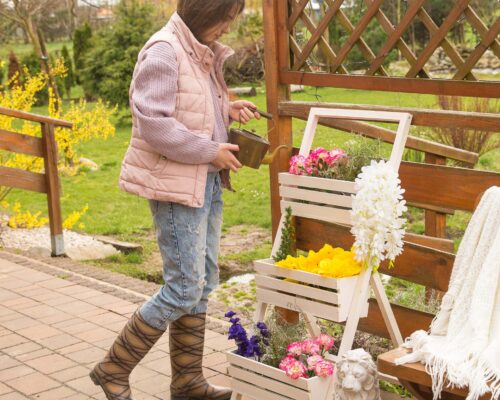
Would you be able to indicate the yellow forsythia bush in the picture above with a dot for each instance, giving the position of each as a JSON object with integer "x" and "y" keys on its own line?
{"x": 331, "y": 262}
{"x": 89, "y": 122}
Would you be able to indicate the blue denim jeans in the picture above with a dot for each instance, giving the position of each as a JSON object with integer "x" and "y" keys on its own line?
{"x": 188, "y": 239}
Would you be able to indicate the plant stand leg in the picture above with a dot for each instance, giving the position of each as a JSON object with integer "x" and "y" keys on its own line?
{"x": 260, "y": 312}
{"x": 311, "y": 325}
{"x": 385, "y": 309}
{"x": 359, "y": 298}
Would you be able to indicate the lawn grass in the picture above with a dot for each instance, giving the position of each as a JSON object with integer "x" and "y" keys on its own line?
{"x": 22, "y": 49}
{"x": 112, "y": 211}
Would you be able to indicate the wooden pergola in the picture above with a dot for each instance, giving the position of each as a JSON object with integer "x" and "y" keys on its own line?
{"x": 433, "y": 186}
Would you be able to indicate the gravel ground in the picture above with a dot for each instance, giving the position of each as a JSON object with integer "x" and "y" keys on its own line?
{"x": 78, "y": 246}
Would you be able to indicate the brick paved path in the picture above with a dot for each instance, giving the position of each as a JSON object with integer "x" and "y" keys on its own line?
{"x": 55, "y": 325}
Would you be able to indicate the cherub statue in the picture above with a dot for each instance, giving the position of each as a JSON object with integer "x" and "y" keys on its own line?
{"x": 356, "y": 377}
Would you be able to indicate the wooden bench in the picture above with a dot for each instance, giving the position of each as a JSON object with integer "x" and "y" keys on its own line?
{"x": 413, "y": 375}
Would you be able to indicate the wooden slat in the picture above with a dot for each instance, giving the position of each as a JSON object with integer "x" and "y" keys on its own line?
{"x": 271, "y": 385}
{"x": 294, "y": 303}
{"x": 329, "y": 214}
{"x": 301, "y": 111}
{"x": 322, "y": 26}
{"x": 315, "y": 197}
{"x": 297, "y": 11}
{"x": 408, "y": 320}
{"x": 274, "y": 284}
{"x": 20, "y": 179}
{"x": 253, "y": 390}
{"x": 413, "y": 372}
{"x": 356, "y": 33}
{"x": 476, "y": 54}
{"x": 363, "y": 47}
{"x": 438, "y": 37}
{"x": 267, "y": 267}
{"x": 386, "y": 24}
{"x": 420, "y": 116}
{"x": 419, "y": 264}
{"x": 19, "y": 143}
{"x": 323, "y": 44}
{"x": 448, "y": 187}
{"x": 481, "y": 28}
{"x": 262, "y": 369}
{"x": 34, "y": 117}
{"x": 442, "y": 244}
{"x": 395, "y": 37}
{"x": 286, "y": 178}
{"x": 393, "y": 84}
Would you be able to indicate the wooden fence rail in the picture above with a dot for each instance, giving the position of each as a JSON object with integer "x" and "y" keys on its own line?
{"x": 47, "y": 182}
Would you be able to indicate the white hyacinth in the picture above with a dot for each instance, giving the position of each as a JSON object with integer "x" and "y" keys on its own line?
{"x": 377, "y": 208}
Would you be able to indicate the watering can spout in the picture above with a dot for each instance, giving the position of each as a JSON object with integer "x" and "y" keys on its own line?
{"x": 269, "y": 158}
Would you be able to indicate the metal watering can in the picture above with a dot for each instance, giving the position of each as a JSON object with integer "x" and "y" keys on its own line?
{"x": 253, "y": 148}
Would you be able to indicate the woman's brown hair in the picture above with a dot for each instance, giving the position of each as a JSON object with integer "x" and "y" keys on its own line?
{"x": 201, "y": 15}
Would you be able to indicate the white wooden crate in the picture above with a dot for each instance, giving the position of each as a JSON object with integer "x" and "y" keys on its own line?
{"x": 319, "y": 296}
{"x": 263, "y": 382}
{"x": 324, "y": 199}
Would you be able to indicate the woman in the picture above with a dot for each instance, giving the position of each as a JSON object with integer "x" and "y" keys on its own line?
{"x": 178, "y": 158}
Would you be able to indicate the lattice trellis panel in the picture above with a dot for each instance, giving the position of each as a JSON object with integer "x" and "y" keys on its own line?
{"x": 337, "y": 37}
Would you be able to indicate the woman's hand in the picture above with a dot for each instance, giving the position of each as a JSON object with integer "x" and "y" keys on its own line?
{"x": 225, "y": 159}
{"x": 242, "y": 111}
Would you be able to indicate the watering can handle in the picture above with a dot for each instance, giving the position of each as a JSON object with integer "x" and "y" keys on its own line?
{"x": 263, "y": 113}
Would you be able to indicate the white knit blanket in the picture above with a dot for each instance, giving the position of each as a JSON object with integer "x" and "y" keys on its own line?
{"x": 463, "y": 346}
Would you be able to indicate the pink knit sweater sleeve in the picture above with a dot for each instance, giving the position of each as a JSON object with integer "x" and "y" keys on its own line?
{"x": 153, "y": 100}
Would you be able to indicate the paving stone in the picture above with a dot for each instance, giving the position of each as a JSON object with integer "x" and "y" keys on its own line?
{"x": 84, "y": 385}
{"x": 61, "y": 392}
{"x": 39, "y": 332}
{"x": 156, "y": 384}
{"x": 13, "y": 396}
{"x": 33, "y": 354}
{"x": 59, "y": 341}
{"x": 37, "y": 383}
{"x": 20, "y": 349}
{"x": 69, "y": 374}
{"x": 95, "y": 335}
{"x": 20, "y": 323}
{"x": 8, "y": 361}
{"x": 74, "y": 347}
{"x": 11, "y": 340}
{"x": 11, "y": 373}
{"x": 89, "y": 355}
{"x": 4, "y": 389}
{"x": 50, "y": 363}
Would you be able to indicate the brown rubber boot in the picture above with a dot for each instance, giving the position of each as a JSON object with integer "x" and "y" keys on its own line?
{"x": 187, "y": 337}
{"x": 131, "y": 345}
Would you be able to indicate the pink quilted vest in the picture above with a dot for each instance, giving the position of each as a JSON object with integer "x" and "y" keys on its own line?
{"x": 147, "y": 173}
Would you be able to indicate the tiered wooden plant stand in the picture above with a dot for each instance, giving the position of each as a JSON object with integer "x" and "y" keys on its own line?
{"x": 335, "y": 299}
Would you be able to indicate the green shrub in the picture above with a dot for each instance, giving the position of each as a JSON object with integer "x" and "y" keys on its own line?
{"x": 69, "y": 79}
{"x": 109, "y": 64}
{"x": 81, "y": 45}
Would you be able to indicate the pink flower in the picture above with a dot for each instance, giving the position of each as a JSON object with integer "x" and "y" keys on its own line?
{"x": 294, "y": 349}
{"x": 285, "y": 362}
{"x": 318, "y": 153}
{"x": 309, "y": 347}
{"x": 297, "y": 165}
{"x": 296, "y": 370}
{"x": 313, "y": 360}
{"x": 324, "y": 341}
{"x": 323, "y": 369}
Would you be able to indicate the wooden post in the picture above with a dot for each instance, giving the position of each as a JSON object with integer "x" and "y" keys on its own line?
{"x": 53, "y": 188}
{"x": 280, "y": 128}
{"x": 435, "y": 222}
